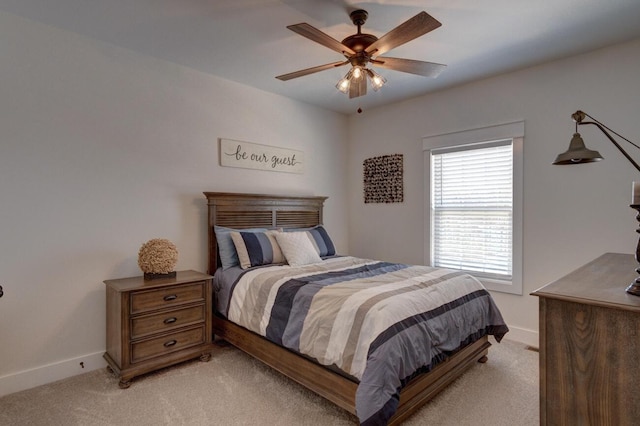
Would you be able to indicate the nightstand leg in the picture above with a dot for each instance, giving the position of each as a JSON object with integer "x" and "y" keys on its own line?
{"x": 124, "y": 384}
{"x": 205, "y": 357}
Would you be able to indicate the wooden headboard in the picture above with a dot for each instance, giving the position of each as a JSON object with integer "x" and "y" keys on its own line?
{"x": 240, "y": 211}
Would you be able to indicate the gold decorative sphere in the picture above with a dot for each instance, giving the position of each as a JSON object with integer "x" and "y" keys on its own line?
{"x": 158, "y": 256}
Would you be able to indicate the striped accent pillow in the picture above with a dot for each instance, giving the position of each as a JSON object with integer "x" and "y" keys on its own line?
{"x": 226, "y": 249}
{"x": 321, "y": 241}
{"x": 257, "y": 248}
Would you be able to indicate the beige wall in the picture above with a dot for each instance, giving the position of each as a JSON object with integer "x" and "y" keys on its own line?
{"x": 102, "y": 149}
{"x": 571, "y": 214}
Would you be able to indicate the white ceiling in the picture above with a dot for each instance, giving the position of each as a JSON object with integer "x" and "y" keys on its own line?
{"x": 247, "y": 40}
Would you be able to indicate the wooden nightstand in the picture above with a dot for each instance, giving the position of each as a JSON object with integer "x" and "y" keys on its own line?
{"x": 152, "y": 324}
{"x": 590, "y": 345}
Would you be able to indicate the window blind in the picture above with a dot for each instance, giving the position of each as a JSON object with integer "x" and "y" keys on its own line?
{"x": 472, "y": 208}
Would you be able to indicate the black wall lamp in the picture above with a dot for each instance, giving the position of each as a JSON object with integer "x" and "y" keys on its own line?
{"x": 579, "y": 153}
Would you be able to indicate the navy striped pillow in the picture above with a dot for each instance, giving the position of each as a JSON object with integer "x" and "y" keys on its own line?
{"x": 321, "y": 240}
{"x": 257, "y": 248}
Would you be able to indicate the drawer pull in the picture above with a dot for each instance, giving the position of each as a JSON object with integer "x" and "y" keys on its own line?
{"x": 170, "y": 297}
{"x": 170, "y": 320}
{"x": 170, "y": 343}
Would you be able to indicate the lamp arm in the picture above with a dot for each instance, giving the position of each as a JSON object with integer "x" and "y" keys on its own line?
{"x": 628, "y": 157}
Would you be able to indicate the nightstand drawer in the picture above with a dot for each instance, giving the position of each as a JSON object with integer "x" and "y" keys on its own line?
{"x": 166, "y": 344}
{"x": 165, "y": 321}
{"x": 142, "y": 301}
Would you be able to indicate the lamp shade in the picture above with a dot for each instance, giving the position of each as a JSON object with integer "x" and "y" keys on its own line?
{"x": 577, "y": 153}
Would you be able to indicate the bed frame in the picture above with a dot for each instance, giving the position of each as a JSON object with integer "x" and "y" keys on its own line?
{"x": 252, "y": 210}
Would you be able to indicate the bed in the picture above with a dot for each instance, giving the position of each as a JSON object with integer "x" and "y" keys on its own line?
{"x": 243, "y": 211}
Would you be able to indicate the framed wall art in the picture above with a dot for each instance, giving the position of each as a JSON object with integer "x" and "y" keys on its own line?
{"x": 383, "y": 179}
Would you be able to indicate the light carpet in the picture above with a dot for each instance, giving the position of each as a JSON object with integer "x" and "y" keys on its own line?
{"x": 234, "y": 389}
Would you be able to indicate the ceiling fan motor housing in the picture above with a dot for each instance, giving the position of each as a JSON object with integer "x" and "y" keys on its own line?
{"x": 359, "y": 42}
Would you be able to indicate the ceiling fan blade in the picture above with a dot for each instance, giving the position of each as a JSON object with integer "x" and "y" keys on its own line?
{"x": 358, "y": 87}
{"x": 419, "y": 25}
{"x": 311, "y": 70}
{"x": 312, "y": 33}
{"x": 427, "y": 69}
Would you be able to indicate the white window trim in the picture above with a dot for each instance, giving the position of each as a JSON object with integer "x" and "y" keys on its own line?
{"x": 514, "y": 131}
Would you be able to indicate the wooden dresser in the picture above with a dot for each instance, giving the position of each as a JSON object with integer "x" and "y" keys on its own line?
{"x": 152, "y": 324}
{"x": 590, "y": 345}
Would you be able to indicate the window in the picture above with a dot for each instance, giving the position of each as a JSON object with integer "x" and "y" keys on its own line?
{"x": 473, "y": 187}
{"x": 471, "y": 209}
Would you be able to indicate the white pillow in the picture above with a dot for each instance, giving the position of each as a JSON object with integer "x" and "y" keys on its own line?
{"x": 297, "y": 248}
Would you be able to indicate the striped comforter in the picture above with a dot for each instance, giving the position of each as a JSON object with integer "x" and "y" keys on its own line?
{"x": 379, "y": 322}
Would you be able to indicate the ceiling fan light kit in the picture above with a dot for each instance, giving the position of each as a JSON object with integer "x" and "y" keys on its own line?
{"x": 362, "y": 49}
{"x": 354, "y": 76}
{"x": 345, "y": 82}
{"x": 377, "y": 81}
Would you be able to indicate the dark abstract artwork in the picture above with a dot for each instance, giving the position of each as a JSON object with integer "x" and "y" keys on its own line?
{"x": 383, "y": 179}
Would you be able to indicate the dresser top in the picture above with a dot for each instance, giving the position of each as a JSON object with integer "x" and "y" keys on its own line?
{"x": 139, "y": 283}
{"x": 601, "y": 282}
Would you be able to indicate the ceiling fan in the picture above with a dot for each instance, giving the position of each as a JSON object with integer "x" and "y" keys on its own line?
{"x": 362, "y": 49}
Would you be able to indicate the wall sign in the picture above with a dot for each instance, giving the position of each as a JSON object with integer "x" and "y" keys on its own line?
{"x": 261, "y": 157}
{"x": 383, "y": 179}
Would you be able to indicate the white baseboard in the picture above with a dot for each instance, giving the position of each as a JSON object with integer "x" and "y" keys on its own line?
{"x": 522, "y": 335}
{"x": 28, "y": 379}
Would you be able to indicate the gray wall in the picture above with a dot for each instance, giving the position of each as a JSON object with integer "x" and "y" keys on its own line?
{"x": 571, "y": 214}
{"x": 103, "y": 149}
